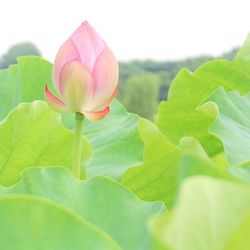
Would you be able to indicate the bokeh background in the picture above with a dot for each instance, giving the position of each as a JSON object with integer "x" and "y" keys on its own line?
{"x": 152, "y": 39}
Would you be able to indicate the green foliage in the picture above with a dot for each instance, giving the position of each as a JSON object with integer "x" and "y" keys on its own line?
{"x": 156, "y": 178}
{"x": 117, "y": 133}
{"x": 142, "y": 95}
{"x": 33, "y": 135}
{"x": 34, "y": 223}
{"x": 232, "y": 124}
{"x": 166, "y": 166}
{"x": 210, "y": 214}
{"x": 116, "y": 141}
{"x": 99, "y": 201}
{"x": 181, "y": 115}
{"x": 23, "y": 82}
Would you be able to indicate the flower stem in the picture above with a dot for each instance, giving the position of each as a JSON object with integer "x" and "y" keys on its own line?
{"x": 77, "y": 147}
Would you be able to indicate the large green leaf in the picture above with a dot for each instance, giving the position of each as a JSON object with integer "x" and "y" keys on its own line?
{"x": 33, "y": 135}
{"x": 179, "y": 116}
{"x": 116, "y": 140}
{"x": 23, "y": 82}
{"x": 34, "y": 223}
{"x": 156, "y": 178}
{"x": 166, "y": 165}
{"x": 232, "y": 124}
{"x": 100, "y": 200}
{"x": 210, "y": 214}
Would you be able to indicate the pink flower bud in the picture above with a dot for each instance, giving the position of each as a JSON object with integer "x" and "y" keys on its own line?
{"x": 85, "y": 74}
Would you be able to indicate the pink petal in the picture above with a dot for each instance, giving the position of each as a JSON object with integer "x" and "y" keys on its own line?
{"x": 109, "y": 100}
{"x": 96, "y": 116}
{"x": 88, "y": 43}
{"x": 66, "y": 54}
{"x": 76, "y": 85}
{"x": 54, "y": 102}
{"x": 105, "y": 77}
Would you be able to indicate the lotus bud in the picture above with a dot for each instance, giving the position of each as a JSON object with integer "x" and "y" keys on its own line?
{"x": 85, "y": 75}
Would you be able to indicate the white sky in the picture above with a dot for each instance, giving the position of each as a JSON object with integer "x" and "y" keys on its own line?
{"x": 137, "y": 29}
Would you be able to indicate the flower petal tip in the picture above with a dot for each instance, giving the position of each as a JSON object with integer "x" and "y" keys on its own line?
{"x": 54, "y": 102}
{"x": 98, "y": 115}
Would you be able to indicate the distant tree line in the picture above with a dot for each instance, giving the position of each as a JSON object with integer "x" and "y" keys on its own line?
{"x": 20, "y": 49}
{"x": 142, "y": 84}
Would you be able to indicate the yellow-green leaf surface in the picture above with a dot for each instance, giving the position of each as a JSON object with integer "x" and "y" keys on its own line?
{"x": 165, "y": 166}
{"x": 178, "y": 116}
{"x": 23, "y": 82}
{"x": 156, "y": 178}
{"x": 33, "y": 135}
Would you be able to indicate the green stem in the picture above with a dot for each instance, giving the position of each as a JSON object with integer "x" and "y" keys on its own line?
{"x": 77, "y": 150}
